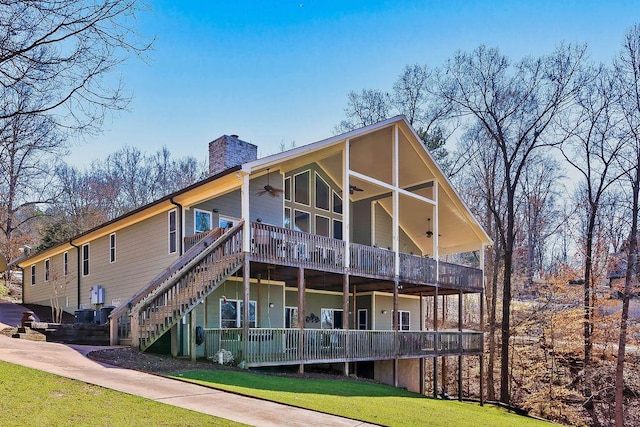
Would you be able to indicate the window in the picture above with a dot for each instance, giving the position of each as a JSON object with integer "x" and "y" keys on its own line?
{"x": 231, "y": 313}
{"x": 330, "y": 318}
{"x": 404, "y": 321}
{"x": 322, "y": 226}
{"x": 302, "y": 221}
{"x": 287, "y": 189}
{"x": 85, "y": 260}
{"x": 65, "y": 263}
{"x": 112, "y": 247}
{"x": 226, "y": 223}
{"x": 337, "y": 203}
{"x": 47, "y": 264}
{"x": 291, "y": 317}
{"x": 33, "y": 275}
{"x": 173, "y": 231}
{"x": 301, "y": 188}
{"x": 287, "y": 217}
{"x": 322, "y": 193}
{"x": 201, "y": 221}
{"x": 337, "y": 229}
{"x": 363, "y": 319}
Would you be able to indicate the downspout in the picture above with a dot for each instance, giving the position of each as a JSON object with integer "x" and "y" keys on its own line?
{"x": 77, "y": 269}
{"x": 180, "y": 243}
{"x": 22, "y": 269}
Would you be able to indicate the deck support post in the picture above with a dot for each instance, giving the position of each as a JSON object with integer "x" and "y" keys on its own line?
{"x": 192, "y": 335}
{"x": 174, "y": 340}
{"x": 423, "y": 361}
{"x": 482, "y": 346}
{"x": 460, "y": 345}
{"x": 345, "y": 317}
{"x": 301, "y": 291}
{"x": 436, "y": 342}
{"x": 246, "y": 276}
{"x": 135, "y": 330}
{"x": 396, "y": 318}
{"x": 435, "y": 376}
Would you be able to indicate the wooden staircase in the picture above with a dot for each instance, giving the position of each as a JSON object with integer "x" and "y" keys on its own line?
{"x": 152, "y": 312}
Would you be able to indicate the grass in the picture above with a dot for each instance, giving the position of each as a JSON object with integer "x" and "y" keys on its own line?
{"x": 370, "y": 402}
{"x": 31, "y": 397}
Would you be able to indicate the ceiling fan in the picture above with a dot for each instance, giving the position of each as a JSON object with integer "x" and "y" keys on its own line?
{"x": 269, "y": 189}
{"x": 353, "y": 189}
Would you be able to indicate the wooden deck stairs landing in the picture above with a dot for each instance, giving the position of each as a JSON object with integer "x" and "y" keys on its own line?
{"x": 178, "y": 290}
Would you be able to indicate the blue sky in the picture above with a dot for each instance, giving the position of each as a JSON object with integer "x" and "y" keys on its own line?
{"x": 279, "y": 71}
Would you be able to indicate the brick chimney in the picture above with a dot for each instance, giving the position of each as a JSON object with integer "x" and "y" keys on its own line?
{"x": 228, "y": 151}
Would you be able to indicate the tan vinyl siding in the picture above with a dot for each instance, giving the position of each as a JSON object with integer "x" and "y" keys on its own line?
{"x": 383, "y": 233}
{"x": 64, "y": 286}
{"x": 385, "y": 302}
{"x": 142, "y": 255}
{"x": 314, "y": 303}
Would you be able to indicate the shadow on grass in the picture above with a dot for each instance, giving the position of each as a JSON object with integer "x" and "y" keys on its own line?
{"x": 335, "y": 386}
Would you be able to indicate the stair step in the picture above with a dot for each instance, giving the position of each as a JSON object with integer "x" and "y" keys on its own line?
{"x": 126, "y": 341}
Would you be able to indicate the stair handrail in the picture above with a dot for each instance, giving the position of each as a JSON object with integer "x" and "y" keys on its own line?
{"x": 207, "y": 244}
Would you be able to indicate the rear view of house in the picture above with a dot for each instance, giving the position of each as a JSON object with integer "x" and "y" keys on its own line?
{"x": 326, "y": 254}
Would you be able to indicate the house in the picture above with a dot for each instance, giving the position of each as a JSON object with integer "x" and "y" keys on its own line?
{"x": 335, "y": 247}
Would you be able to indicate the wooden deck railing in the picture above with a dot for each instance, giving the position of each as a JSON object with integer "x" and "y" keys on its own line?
{"x": 459, "y": 276}
{"x": 281, "y": 346}
{"x": 418, "y": 269}
{"x": 270, "y": 243}
{"x": 371, "y": 261}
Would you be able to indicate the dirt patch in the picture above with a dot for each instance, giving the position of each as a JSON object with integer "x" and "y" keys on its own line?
{"x": 131, "y": 358}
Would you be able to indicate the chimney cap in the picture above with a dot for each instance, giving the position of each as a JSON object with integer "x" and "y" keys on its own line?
{"x": 233, "y": 135}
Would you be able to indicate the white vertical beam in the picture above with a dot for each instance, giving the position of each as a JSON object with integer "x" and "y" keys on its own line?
{"x": 244, "y": 206}
{"x": 396, "y": 201}
{"x": 436, "y": 224}
{"x": 346, "y": 203}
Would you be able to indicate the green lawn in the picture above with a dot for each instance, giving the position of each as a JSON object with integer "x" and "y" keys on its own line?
{"x": 370, "y": 402}
{"x": 34, "y": 398}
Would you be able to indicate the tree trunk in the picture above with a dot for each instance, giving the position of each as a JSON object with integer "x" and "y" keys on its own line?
{"x": 506, "y": 298}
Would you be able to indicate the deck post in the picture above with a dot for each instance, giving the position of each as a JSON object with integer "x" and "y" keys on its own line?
{"x": 423, "y": 360}
{"x": 396, "y": 318}
{"x": 246, "y": 276}
{"x": 482, "y": 352}
{"x": 345, "y": 317}
{"x": 113, "y": 331}
{"x": 174, "y": 340}
{"x": 436, "y": 343}
{"x": 192, "y": 335}
{"x": 460, "y": 345}
{"x": 300, "y": 318}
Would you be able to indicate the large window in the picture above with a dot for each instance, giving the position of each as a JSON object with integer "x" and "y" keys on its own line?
{"x": 337, "y": 203}
{"x": 330, "y": 318}
{"x": 173, "y": 231}
{"x": 231, "y": 313}
{"x": 337, "y": 229}
{"x": 323, "y": 192}
{"x": 33, "y": 274}
{"x": 302, "y": 221}
{"x": 291, "y": 317}
{"x": 301, "y": 186}
{"x": 85, "y": 260}
{"x": 47, "y": 265}
{"x": 287, "y": 217}
{"x": 112, "y": 247}
{"x": 322, "y": 226}
{"x": 287, "y": 189}
{"x": 201, "y": 221}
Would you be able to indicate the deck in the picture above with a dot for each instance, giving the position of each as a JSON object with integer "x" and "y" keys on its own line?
{"x": 273, "y": 346}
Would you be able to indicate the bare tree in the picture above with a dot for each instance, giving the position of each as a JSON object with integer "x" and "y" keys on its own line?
{"x": 627, "y": 68}
{"x": 63, "y": 51}
{"x": 365, "y": 108}
{"x": 516, "y": 105}
{"x": 592, "y": 150}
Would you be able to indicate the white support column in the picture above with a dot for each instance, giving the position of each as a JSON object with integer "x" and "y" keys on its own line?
{"x": 396, "y": 202}
{"x": 346, "y": 207}
{"x": 244, "y": 206}
{"x": 436, "y": 229}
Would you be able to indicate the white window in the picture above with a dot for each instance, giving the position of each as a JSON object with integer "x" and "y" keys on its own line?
{"x": 231, "y": 313}
{"x": 363, "y": 319}
{"x": 302, "y": 221}
{"x": 287, "y": 189}
{"x": 337, "y": 229}
{"x": 323, "y": 193}
{"x": 33, "y": 274}
{"x": 201, "y": 221}
{"x": 337, "y": 203}
{"x": 65, "y": 263}
{"x": 226, "y": 222}
{"x": 301, "y": 186}
{"x": 330, "y": 318}
{"x": 404, "y": 323}
{"x": 322, "y": 226}
{"x": 85, "y": 260}
{"x": 47, "y": 264}
{"x": 173, "y": 231}
{"x": 112, "y": 247}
